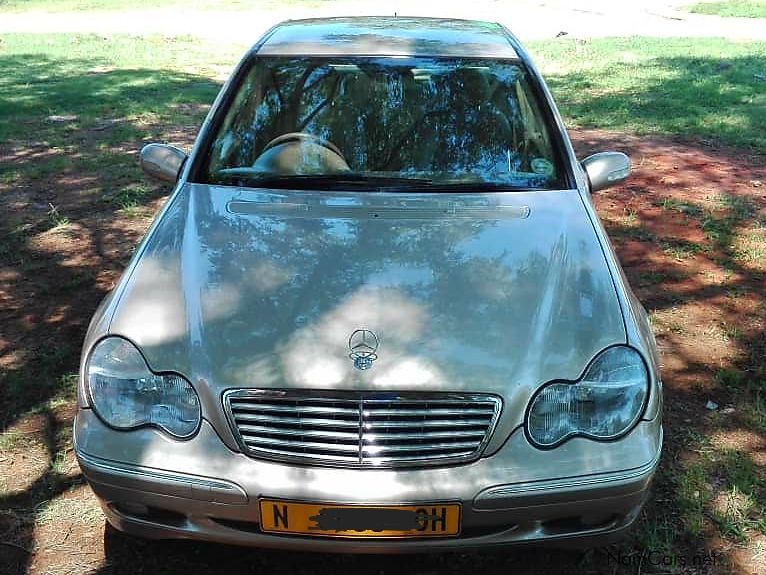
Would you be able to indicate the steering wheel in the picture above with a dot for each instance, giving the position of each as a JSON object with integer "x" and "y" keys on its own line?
{"x": 301, "y": 137}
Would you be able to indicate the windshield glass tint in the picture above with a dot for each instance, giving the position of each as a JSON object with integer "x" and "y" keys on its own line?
{"x": 389, "y": 120}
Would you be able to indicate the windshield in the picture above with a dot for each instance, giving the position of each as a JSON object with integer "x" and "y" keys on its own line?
{"x": 384, "y": 122}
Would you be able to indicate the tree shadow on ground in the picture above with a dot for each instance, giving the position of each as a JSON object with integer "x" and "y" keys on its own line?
{"x": 49, "y": 294}
{"x": 74, "y": 207}
{"x": 57, "y": 266}
{"x": 683, "y": 528}
{"x": 706, "y": 301}
{"x": 716, "y": 99}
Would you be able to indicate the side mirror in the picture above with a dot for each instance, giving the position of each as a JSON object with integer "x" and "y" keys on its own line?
{"x": 606, "y": 169}
{"x": 162, "y": 161}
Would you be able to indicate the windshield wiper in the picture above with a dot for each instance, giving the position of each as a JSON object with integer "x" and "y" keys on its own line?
{"x": 247, "y": 176}
{"x": 483, "y": 187}
{"x": 350, "y": 180}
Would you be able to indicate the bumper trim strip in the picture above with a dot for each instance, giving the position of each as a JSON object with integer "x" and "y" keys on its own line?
{"x": 163, "y": 482}
{"x": 487, "y": 499}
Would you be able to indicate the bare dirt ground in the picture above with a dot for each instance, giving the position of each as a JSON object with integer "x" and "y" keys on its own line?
{"x": 688, "y": 228}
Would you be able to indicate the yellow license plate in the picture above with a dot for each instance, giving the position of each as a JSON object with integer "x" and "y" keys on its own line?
{"x": 329, "y": 520}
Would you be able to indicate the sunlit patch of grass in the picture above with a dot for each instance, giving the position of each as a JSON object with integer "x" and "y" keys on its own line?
{"x": 720, "y": 229}
{"x": 721, "y": 226}
{"x": 681, "y": 206}
{"x": 131, "y": 199}
{"x": 734, "y": 512}
{"x": 692, "y": 496}
{"x": 131, "y": 196}
{"x": 680, "y": 250}
{"x": 79, "y": 507}
{"x": 724, "y": 486}
{"x": 11, "y": 439}
{"x": 137, "y": 212}
{"x": 628, "y": 228}
{"x": 57, "y": 220}
{"x": 81, "y": 6}
{"x": 751, "y": 249}
{"x": 66, "y": 391}
{"x": 731, "y": 8}
{"x": 725, "y": 226}
{"x": 739, "y": 507}
{"x": 731, "y": 331}
{"x": 629, "y": 217}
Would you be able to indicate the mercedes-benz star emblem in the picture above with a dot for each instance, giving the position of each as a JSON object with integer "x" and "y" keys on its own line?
{"x": 362, "y": 346}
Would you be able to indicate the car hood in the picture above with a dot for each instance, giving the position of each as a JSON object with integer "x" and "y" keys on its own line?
{"x": 495, "y": 292}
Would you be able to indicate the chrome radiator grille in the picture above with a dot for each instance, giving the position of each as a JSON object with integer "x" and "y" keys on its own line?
{"x": 362, "y": 429}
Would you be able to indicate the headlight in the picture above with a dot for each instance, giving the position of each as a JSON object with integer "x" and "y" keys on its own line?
{"x": 126, "y": 394}
{"x": 603, "y": 404}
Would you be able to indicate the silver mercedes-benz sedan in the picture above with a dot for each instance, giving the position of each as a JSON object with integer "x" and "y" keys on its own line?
{"x": 378, "y": 312}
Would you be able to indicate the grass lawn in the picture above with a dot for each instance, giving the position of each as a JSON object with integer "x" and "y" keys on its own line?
{"x": 92, "y": 5}
{"x": 690, "y": 229}
{"x": 95, "y": 79}
{"x": 733, "y": 8}
{"x": 713, "y": 89}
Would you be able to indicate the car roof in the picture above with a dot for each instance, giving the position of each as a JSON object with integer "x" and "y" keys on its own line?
{"x": 388, "y": 36}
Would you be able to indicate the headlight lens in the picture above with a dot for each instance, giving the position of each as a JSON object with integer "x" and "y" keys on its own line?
{"x": 604, "y": 404}
{"x": 126, "y": 394}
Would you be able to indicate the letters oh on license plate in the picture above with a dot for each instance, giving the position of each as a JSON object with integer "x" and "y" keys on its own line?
{"x": 426, "y": 520}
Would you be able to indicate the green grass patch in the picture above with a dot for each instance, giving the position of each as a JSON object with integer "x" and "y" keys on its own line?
{"x": 681, "y": 206}
{"x": 729, "y": 378}
{"x": 709, "y": 88}
{"x": 725, "y": 227}
{"x": 80, "y": 5}
{"x": 724, "y": 486}
{"x": 57, "y": 84}
{"x": 731, "y": 8}
{"x": 692, "y": 496}
{"x": 657, "y": 537}
{"x": 657, "y": 277}
{"x": 680, "y": 249}
{"x": 83, "y": 105}
{"x": 720, "y": 226}
{"x": 739, "y": 506}
{"x": 56, "y": 6}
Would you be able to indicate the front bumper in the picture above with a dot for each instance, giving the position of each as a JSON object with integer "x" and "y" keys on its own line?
{"x": 152, "y": 486}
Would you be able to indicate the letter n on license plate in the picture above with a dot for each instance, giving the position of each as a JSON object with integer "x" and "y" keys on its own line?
{"x": 426, "y": 520}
